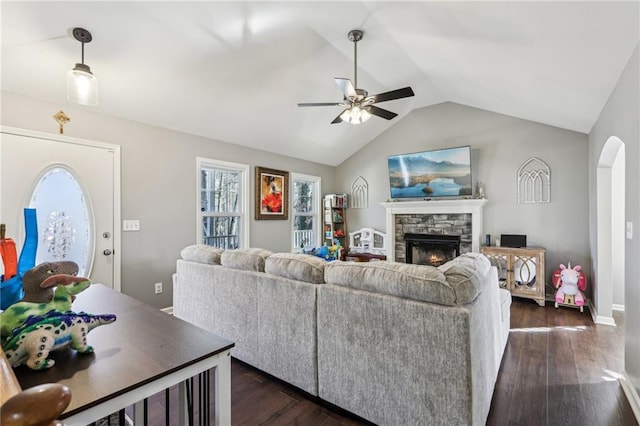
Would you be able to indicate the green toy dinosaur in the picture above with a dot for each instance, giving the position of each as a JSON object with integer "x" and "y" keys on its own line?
{"x": 16, "y": 315}
{"x": 31, "y": 343}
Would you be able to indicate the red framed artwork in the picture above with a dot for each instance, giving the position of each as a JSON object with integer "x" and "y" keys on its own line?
{"x": 272, "y": 194}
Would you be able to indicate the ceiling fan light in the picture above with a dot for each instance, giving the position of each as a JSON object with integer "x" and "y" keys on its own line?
{"x": 364, "y": 115}
{"x": 82, "y": 86}
{"x": 355, "y": 115}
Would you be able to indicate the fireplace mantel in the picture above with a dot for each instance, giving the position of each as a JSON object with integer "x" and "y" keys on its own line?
{"x": 473, "y": 206}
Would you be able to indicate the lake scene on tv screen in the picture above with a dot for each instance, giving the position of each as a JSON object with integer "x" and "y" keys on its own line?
{"x": 439, "y": 173}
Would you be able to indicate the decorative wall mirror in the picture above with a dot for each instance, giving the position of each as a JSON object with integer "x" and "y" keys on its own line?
{"x": 359, "y": 193}
{"x": 534, "y": 182}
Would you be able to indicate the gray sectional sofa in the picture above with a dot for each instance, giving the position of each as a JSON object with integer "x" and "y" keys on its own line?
{"x": 391, "y": 342}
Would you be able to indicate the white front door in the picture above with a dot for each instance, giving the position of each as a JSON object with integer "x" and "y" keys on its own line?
{"x": 74, "y": 186}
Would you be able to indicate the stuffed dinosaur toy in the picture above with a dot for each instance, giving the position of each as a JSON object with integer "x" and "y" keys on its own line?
{"x": 39, "y": 281}
{"x": 32, "y": 342}
{"x": 16, "y": 315}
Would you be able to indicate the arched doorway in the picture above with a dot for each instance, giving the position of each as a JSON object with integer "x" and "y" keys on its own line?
{"x": 610, "y": 187}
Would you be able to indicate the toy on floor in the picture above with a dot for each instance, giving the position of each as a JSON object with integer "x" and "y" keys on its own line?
{"x": 31, "y": 343}
{"x": 326, "y": 252}
{"x": 39, "y": 281}
{"x": 570, "y": 282}
{"x": 16, "y": 315}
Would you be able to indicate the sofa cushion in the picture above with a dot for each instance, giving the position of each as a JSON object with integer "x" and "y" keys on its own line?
{"x": 296, "y": 266}
{"x": 465, "y": 274}
{"x": 251, "y": 259}
{"x": 478, "y": 261}
{"x": 202, "y": 254}
{"x": 417, "y": 282}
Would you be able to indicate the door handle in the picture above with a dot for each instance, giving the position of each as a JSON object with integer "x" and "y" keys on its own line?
{"x": 107, "y": 252}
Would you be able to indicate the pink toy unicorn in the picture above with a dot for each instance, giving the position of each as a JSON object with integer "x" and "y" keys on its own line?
{"x": 571, "y": 282}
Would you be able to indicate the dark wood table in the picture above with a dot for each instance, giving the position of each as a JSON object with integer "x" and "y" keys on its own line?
{"x": 364, "y": 257}
{"x": 142, "y": 353}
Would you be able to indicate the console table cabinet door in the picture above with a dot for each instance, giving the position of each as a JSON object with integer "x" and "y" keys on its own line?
{"x": 520, "y": 270}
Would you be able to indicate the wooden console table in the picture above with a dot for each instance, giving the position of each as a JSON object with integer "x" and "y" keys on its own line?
{"x": 520, "y": 270}
{"x": 143, "y": 352}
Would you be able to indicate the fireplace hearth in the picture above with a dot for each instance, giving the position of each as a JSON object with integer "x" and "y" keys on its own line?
{"x": 431, "y": 249}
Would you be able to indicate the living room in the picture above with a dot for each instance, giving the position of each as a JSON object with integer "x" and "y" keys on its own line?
{"x": 500, "y": 142}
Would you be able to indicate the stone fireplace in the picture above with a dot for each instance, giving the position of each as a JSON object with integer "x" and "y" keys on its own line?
{"x": 431, "y": 249}
{"x": 424, "y": 229}
{"x": 448, "y": 219}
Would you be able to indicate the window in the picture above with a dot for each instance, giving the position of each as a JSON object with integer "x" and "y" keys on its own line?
{"x": 306, "y": 211}
{"x": 223, "y": 204}
{"x": 64, "y": 219}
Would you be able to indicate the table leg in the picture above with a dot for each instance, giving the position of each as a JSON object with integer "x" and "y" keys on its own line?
{"x": 183, "y": 404}
{"x": 222, "y": 378}
{"x": 138, "y": 413}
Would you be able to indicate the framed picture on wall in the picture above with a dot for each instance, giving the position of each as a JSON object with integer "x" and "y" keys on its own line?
{"x": 272, "y": 194}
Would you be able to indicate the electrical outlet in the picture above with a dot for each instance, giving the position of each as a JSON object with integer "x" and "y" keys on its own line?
{"x": 158, "y": 288}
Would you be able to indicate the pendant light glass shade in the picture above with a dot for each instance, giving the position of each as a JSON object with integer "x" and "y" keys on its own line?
{"x": 355, "y": 115}
{"x": 82, "y": 86}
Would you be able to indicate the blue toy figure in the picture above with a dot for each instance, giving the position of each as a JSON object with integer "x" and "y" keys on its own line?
{"x": 27, "y": 258}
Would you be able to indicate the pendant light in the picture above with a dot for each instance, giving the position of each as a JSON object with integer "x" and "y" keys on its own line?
{"x": 82, "y": 85}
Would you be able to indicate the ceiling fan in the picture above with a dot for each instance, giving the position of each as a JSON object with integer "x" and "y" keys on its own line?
{"x": 358, "y": 102}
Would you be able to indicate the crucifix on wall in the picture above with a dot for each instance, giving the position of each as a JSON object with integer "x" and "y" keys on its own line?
{"x": 62, "y": 119}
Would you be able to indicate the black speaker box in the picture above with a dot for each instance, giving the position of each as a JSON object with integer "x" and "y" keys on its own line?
{"x": 513, "y": 240}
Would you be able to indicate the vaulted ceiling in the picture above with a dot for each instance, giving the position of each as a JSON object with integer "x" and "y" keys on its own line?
{"x": 235, "y": 71}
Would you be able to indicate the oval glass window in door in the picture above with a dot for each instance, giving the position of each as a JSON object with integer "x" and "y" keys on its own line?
{"x": 64, "y": 219}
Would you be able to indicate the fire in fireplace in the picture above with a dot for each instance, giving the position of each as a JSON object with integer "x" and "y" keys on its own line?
{"x": 431, "y": 249}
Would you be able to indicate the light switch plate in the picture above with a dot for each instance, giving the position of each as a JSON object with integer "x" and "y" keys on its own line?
{"x": 629, "y": 230}
{"x": 130, "y": 225}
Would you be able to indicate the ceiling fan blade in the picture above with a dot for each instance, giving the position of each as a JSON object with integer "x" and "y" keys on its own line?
{"x": 338, "y": 119}
{"x": 405, "y": 92}
{"x": 374, "y": 110}
{"x": 347, "y": 88}
{"x": 309, "y": 104}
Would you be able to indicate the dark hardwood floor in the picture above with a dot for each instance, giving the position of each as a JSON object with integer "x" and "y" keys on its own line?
{"x": 259, "y": 399}
{"x": 559, "y": 368}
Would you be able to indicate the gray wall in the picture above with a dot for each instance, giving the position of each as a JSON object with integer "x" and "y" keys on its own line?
{"x": 159, "y": 186}
{"x": 620, "y": 118}
{"x": 499, "y": 145}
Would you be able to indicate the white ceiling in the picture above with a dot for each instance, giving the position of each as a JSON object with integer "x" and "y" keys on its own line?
{"x": 235, "y": 71}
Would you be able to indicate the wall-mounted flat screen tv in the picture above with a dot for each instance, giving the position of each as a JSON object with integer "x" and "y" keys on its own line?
{"x": 431, "y": 174}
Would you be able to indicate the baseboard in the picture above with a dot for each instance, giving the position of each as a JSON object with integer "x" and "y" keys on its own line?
{"x": 616, "y": 307}
{"x": 599, "y": 319}
{"x": 605, "y": 320}
{"x": 632, "y": 395}
{"x": 168, "y": 310}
